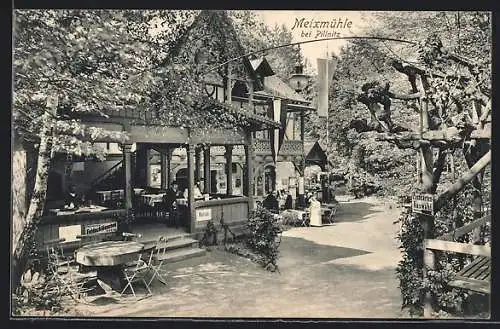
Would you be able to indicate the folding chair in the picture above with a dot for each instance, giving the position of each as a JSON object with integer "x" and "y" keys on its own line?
{"x": 156, "y": 259}
{"x": 65, "y": 278}
{"x": 330, "y": 215}
{"x": 304, "y": 219}
{"x": 134, "y": 272}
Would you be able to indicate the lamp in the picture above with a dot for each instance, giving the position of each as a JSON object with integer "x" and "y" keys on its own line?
{"x": 298, "y": 80}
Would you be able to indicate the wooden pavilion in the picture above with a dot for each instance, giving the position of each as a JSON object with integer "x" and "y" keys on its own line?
{"x": 145, "y": 130}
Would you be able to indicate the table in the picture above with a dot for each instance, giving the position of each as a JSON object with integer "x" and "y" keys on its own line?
{"x": 108, "y": 257}
{"x": 152, "y": 199}
{"x": 104, "y": 196}
{"x": 62, "y": 211}
{"x": 182, "y": 202}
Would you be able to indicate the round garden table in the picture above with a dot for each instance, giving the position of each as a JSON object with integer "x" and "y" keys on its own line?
{"x": 108, "y": 258}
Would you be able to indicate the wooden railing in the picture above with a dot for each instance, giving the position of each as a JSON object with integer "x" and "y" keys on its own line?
{"x": 233, "y": 210}
{"x": 106, "y": 174}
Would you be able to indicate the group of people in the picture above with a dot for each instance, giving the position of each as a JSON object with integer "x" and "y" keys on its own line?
{"x": 272, "y": 203}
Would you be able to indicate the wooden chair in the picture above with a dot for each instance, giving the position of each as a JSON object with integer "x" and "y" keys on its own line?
{"x": 157, "y": 258}
{"x": 135, "y": 272}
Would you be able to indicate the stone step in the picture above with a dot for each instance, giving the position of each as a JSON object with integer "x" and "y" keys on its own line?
{"x": 176, "y": 241}
{"x": 182, "y": 243}
{"x": 178, "y": 255}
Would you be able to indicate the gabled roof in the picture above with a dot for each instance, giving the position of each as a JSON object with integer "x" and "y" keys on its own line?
{"x": 275, "y": 87}
{"x": 213, "y": 31}
{"x": 308, "y": 147}
{"x": 260, "y": 65}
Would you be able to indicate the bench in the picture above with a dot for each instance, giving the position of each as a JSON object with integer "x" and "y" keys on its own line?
{"x": 475, "y": 276}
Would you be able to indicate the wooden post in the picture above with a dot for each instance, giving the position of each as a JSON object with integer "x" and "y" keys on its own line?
{"x": 206, "y": 170}
{"x": 141, "y": 165}
{"x": 476, "y": 152}
{"x": 164, "y": 162}
{"x": 169, "y": 166}
{"x": 302, "y": 128}
{"x": 229, "y": 84}
{"x": 127, "y": 170}
{"x": 462, "y": 181}
{"x": 197, "y": 161}
{"x": 250, "y": 93}
{"x": 191, "y": 205}
{"x": 250, "y": 160}
{"x": 429, "y": 262}
{"x": 229, "y": 169}
{"x": 418, "y": 164}
{"x": 426, "y": 168}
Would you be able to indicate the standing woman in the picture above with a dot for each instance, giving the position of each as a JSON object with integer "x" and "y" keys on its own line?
{"x": 315, "y": 212}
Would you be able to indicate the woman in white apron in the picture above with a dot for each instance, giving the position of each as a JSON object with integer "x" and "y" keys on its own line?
{"x": 314, "y": 212}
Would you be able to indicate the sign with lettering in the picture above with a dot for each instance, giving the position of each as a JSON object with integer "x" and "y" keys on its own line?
{"x": 423, "y": 203}
{"x": 203, "y": 214}
{"x": 70, "y": 232}
{"x": 101, "y": 228}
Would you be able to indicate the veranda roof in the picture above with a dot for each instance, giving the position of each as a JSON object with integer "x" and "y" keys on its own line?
{"x": 255, "y": 120}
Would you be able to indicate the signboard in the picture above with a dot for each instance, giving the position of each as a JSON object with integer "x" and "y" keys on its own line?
{"x": 101, "y": 228}
{"x": 69, "y": 233}
{"x": 203, "y": 214}
{"x": 423, "y": 203}
{"x": 301, "y": 185}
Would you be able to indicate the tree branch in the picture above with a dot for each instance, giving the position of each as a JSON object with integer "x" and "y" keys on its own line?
{"x": 463, "y": 181}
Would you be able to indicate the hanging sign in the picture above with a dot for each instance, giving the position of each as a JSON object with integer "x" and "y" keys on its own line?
{"x": 423, "y": 203}
{"x": 101, "y": 228}
{"x": 203, "y": 214}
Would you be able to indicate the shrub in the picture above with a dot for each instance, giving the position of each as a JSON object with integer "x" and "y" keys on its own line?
{"x": 264, "y": 236}
{"x": 409, "y": 269}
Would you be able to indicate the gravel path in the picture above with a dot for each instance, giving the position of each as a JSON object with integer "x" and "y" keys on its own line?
{"x": 346, "y": 270}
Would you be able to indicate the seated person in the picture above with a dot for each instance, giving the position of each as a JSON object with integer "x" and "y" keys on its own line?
{"x": 197, "y": 192}
{"x": 171, "y": 195}
{"x": 288, "y": 200}
{"x": 271, "y": 202}
{"x": 71, "y": 200}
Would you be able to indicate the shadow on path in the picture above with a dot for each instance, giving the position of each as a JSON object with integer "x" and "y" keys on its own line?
{"x": 298, "y": 251}
{"x": 355, "y": 211}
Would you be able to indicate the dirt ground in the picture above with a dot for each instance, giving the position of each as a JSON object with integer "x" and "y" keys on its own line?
{"x": 346, "y": 270}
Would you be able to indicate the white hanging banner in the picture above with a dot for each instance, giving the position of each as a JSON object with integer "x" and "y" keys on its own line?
{"x": 276, "y": 116}
{"x": 326, "y": 69}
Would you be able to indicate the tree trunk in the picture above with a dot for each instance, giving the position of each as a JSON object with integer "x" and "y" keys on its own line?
{"x": 438, "y": 169}
{"x": 35, "y": 210}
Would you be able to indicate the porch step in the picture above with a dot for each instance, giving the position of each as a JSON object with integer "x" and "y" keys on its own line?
{"x": 175, "y": 241}
{"x": 177, "y": 255}
{"x": 182, "y": 243}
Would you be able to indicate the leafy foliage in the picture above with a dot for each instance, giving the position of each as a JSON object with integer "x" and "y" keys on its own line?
{"x": 264, "y": 236}
{"x": 409, "y": 270}
{"x": 33, "y": 294}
